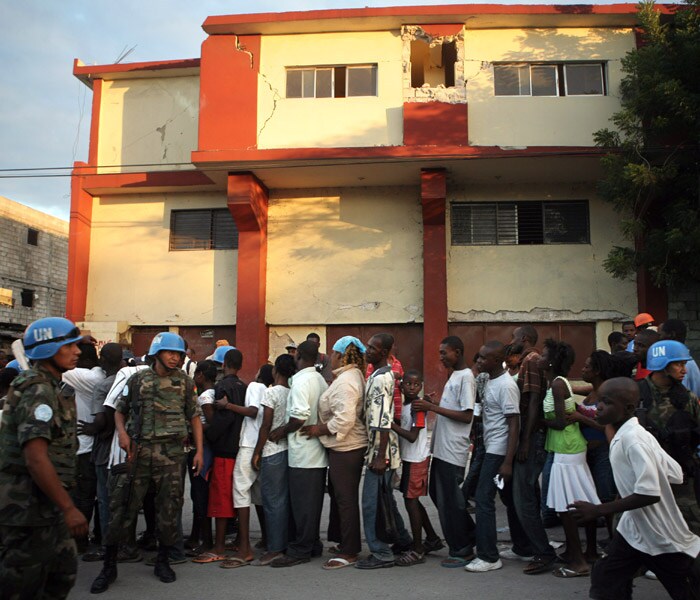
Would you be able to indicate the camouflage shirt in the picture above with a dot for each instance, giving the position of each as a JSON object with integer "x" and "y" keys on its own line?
{"x": 662, "y": 409}
{"x": 164, "y": 405}
{"x": 35, "y": 408}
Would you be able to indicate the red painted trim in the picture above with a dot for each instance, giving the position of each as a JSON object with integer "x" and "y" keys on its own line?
{"x": 435, "y": 124}
{"x": 433, "y": 200}
{"x": 95, "y": 122}
{"x": 94, "y": 184}
{"x": 228, "y": 92}
{"x": 436, "y": 30}
{"x": 248, "y": 202}
{"x": 377, "y": 152}
{"x": 80, "y": 225}
{"x": 81, "y": 70}
{"x": 227, "y": 23}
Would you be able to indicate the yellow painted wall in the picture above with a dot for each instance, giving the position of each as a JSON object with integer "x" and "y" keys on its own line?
{"x": 135, "y": 278}
{"x": 542, "y": 279}
{"x": 330, "y": 122}
{"x": 540, "y": 121}
{"x": 351, "y": 255}
{"x": 148, "y": 121}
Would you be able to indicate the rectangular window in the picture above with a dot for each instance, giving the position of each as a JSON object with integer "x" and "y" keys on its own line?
{"x": 32, "y": 237}
{"x": 519, "y": 223}
{"x": 549, "y": 79}
{"x": 332, "y": 82}
{"x": 27, "y": 298}
{"x": 203, "y": 229}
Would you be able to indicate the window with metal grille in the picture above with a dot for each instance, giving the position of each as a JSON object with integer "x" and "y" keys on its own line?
{"x": 519, "y": 223}
{"x": 549, "y": 79}
{"x": 332, "y": 82}
{"x": 203, "y": 229}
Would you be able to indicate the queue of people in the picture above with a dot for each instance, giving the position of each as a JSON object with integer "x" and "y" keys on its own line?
{"x": 348, "y": 423}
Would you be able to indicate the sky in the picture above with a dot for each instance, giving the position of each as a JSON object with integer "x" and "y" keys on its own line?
{"x": 45, "y": 116}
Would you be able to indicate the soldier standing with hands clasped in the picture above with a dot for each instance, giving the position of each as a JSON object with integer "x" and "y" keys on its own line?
{"x": 151, "y": 421}
{"x": 38, "y": 520}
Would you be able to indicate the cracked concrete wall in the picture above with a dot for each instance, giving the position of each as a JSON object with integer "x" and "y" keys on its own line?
{"x": 350, "y": 255}
{"x": 540, "y": 121}
{"x": 135, "y": 278}
{"x": 148, "y": 121}
{"x": 566, "y": 282}
{"x": 330, "y": 122}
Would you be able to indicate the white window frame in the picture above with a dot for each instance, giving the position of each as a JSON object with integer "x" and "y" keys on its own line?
{"x": 375, "y": 73}
{"x": 372, "y": 66}
{"x": 585, "y": 64}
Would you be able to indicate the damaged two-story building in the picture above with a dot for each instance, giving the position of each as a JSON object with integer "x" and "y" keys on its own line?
{"x": 422, "y": 170}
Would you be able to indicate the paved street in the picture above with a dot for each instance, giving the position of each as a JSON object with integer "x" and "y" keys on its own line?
{"x": 309, "y": 581}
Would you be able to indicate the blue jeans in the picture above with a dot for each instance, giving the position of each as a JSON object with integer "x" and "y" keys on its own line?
{"x": 370, "y": 489}
{"x": 274, "y": 487}
{"x": 472, "y": 479}
{"x": 486, "y": 548}
{"x": 102, "y": 497}
{"x": 526, "y": 498}
{"x": 598, "y": 458}
{"x": 546, "y": 470}
{"x": 456, "y": 523}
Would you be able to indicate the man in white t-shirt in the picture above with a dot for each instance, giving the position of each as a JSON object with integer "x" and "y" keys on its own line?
{"x": 450, "y": 452}
{"x": 651, "y": 532}
{"x": 500, "y": 414}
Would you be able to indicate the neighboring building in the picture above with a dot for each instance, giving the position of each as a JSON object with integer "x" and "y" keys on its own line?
{"x": 33, "y": 270}
{"x": 422, "y": 170}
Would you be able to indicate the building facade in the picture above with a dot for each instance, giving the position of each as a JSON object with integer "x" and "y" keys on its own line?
{"x": 34, "y": 268}
{"x": 423, "y": 170}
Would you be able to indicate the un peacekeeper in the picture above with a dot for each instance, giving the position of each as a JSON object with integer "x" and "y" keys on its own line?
{"x": 671, "y": 413}
{"x": 151, "y": 421}
{"x": 38, "y": 444}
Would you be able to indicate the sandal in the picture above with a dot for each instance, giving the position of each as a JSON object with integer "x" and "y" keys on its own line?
{"x": 208, "y": 557}
{"x": 236, "y": 561}
{"x": 337, "y": 563}
{"x": 539, "y": 565}
{"x": 566, "y": 573}
{"x": 433, "y": 545}
{"x": 410, "y": 558}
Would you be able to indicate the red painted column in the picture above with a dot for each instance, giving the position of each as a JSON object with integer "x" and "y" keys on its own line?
{"x": 78, "y": 247}
{"x": 433, "y": 200}
{"x": 247, "y": 202}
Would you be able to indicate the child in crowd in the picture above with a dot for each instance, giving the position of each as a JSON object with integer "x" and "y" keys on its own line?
{"x": 570, "y": 479}
{"x": 223, "y": 434}
{"x": 651, "y": 532}
{"x": 415, "y": 460}
{"x": 270, "y": 459}
{"x": 205, "y": 379}
{"x": 246, "y": 488}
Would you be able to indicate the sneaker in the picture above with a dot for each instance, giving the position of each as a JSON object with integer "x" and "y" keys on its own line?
{"x": 651, "y": 575}
{"x": 481, "y": 566}
{"x": 125, "y": 556}
{"x": 508, "y": 554}
{"x": 151, "y": 560}
{"x": 372, "y": 562}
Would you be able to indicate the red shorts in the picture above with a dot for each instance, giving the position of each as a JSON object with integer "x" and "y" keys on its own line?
{"x": 221, "y": 488}
{"x": 414, "y": 478}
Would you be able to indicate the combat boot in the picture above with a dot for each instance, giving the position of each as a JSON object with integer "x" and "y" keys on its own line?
{"x": 162, "y": 569}
{"x": 108, "y": 574}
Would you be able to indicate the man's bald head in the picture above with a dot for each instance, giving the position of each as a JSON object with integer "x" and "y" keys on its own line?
{"x": 618, "y": 399}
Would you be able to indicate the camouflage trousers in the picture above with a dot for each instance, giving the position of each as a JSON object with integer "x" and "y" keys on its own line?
{"x": 37, "y": 562}
{"x": 688, "y": 505}
{"x": 157, "y": 467}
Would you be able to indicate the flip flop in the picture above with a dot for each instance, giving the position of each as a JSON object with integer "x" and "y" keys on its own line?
{"x": 208, "y": 557}
{"x": 235, "y": 561}
{"x": 538, "y": 565}
{"x": 566, "y": 573}
{"x": 337, "y": 563}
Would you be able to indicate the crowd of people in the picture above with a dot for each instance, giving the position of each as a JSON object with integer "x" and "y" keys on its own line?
{"x": 87, "y": 437}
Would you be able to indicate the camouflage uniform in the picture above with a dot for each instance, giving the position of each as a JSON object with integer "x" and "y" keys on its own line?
{"x": 38, "y": 557}
{"x": 657, "y": 417}
{"x": 166, "y": 405}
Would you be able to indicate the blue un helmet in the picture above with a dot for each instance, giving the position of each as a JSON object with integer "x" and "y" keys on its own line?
{"x": 166, "y": 341}
{"x": 220, "y": 353}
{"x": 660, "y": 354}
{"x": 44, "y": 337}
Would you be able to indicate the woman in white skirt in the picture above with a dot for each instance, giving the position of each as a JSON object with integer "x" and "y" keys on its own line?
{"x": 571, "y": 478}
